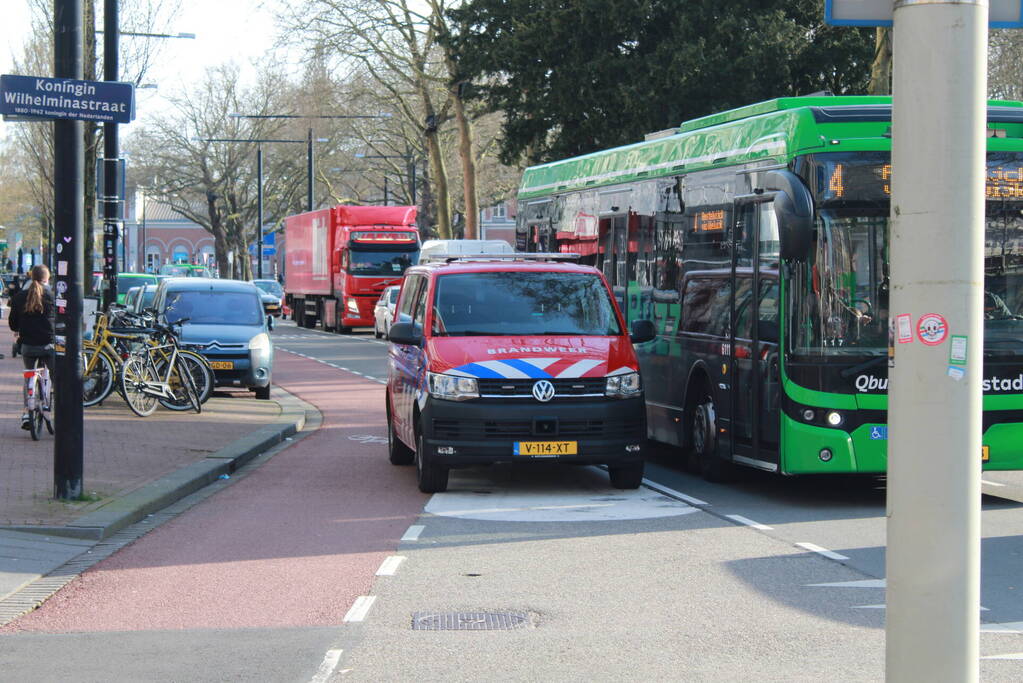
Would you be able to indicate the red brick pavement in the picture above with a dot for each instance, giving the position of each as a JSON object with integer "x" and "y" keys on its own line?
{"x": 122, "y": 451}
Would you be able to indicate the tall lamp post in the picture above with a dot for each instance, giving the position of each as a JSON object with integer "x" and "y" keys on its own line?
{"x": 309, "y": 140}
{"x": 259, "y": 186}
{"x": 409, "y": 159}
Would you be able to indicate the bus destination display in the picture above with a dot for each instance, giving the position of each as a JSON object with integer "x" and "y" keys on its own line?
{"x": 867, "y": 180}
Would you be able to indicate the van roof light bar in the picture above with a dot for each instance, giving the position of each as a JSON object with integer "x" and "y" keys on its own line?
{"x": 535, "y": 256}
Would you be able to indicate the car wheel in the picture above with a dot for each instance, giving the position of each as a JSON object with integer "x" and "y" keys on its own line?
{"x": 397, "y": 452}
{"x": 431, "y": 476}
{"x": 376, "y": 330}
{"x": 626, "y": 476}
{"x": 703, "y": 422}
{"x": 262, "y": 393}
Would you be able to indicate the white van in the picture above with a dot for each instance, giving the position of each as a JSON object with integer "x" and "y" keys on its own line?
{"x": 436, "y": 250}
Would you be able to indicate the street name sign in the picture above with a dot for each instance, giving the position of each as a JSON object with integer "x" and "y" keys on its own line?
{"x": 33, "y": 98}
{"x": 1001, "y": 13}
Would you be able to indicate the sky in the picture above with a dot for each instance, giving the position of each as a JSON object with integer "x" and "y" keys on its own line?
{"x": 225, "y": 29}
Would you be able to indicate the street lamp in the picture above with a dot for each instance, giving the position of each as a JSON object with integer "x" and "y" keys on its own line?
{"x": 409, "y": 159}
{"x": 259, "y": 182}
{"x": 309, "y": 141}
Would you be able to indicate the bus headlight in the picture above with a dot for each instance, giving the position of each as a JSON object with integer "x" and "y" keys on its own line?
{"x": 451, "y": 388}
{"x": 834, "y": 418}
{"x": 623, "y": 386}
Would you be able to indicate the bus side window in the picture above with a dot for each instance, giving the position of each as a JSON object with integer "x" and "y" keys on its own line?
{"x": 743, "y": 306}
{"x": 706, "y": 307}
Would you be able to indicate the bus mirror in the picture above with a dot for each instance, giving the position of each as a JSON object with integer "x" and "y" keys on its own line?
{"x": 793, "y": 206}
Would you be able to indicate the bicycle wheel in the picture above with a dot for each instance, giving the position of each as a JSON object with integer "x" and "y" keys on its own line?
{"x": 202, "y": 373}
{"x": 186, "y": 372}
{"x": 193, "y": 395}
{"x": 136, "y": 375}
{"x": 35, "y": 423}
{"x": 98, "y": 382}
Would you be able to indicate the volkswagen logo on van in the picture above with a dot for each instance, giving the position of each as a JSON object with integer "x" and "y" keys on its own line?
{"x": 543, "y": 391}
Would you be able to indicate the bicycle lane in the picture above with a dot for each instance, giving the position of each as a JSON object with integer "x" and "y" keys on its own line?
{"x": 291, "y": 545}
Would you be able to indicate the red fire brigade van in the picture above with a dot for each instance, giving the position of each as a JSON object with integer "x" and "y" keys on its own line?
{"x": 508, "y": 358}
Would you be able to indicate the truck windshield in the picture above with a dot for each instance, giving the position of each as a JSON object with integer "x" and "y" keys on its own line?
{"x": 839, "y": 296}
{"x": 381, "y": 263}
{"x": 522, "y": 303}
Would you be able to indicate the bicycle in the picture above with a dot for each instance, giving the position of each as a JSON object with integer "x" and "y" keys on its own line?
{"x": 147, "y": 375}
{"x": 38, "y": 395}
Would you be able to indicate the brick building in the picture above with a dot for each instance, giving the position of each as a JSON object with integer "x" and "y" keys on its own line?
{"x": 155, "y": 235}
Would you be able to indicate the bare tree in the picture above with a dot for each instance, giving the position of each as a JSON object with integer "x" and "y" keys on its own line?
{"x": 189, "y": 166}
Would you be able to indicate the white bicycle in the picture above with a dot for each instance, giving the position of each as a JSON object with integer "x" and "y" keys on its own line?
{"x": 38, "y": 394}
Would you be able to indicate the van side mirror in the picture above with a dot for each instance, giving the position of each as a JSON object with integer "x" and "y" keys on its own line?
{"x": 642, "y": 331}
{"x": 793, "y": 205}
{"x": 405, "y": 333}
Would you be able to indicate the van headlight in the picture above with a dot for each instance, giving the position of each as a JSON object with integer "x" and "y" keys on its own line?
{"x": 623, "y": 386}
{"x": 451, "y": 388}
{"x": 261, "y": 342}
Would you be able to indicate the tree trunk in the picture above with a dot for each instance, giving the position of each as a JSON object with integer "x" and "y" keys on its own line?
{"x": 440, "y": 184}
{"x": 881, "y": 68}
{"x": 465, "y": 153}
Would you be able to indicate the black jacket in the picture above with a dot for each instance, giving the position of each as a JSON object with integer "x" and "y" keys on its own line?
{"x": 34, "y": 329}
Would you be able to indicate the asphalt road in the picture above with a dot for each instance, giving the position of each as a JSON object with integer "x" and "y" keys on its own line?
{"x": 326, "y": 563}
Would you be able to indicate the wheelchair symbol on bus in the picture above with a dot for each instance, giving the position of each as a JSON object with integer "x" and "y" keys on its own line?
{"x": 879, "y": 433}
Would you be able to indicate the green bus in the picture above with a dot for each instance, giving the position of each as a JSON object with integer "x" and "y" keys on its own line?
{"x": 756, "y": 240}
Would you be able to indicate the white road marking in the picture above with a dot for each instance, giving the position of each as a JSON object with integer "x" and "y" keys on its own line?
{"x": 327, "y": 666}
{"x": 653, "y": 486}
{"x": 413, "y": 532}
{"x": 748, "y": 522}
{"x": 1018, "y": 655}
{"x": 360, "y": 608}
{"x": 822, "y": 551}
{"x": 865, "y": 583}
{"x": 1008, "y": 627}
{"x": 885, "y": 606}
{"x": 490, "y": 511}
{"x": 990, "y": 483}
{"x": 389, "y": 566}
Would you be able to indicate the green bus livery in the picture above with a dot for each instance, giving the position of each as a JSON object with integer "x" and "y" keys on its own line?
{"x": 756, "y": 240}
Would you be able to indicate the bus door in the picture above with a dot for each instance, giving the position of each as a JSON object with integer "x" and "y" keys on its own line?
{"x": 615, "y": 246}
{"x": 754, "y": 395}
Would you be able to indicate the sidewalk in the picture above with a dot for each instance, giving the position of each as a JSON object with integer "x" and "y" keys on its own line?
{"x": 133, "y": 467}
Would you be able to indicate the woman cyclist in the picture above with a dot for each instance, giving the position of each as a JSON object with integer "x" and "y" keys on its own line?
{"x": 31, "y": 318}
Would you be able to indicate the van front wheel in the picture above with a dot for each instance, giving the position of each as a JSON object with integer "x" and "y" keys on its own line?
{"x": 432, "y": 476}
{"x": 626, "y": 476}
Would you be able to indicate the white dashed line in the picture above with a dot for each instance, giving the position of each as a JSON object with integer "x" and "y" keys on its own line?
{"x": 327, "y": 666}
{"x": 990, "y": 483}
{"x": 390, "y": 565}
{"x": 360, "y": 609}
{"x": 748, "y": 522}
{"x": 1018, "y": 655}
{"x": 413, "y": 532}
{"x": 862, "y": 583}
{"x": 822, "y": 551}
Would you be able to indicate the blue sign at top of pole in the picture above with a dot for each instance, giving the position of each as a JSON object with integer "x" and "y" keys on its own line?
{"x": 34, "y": 98}
{"x": 1001, "y": 13}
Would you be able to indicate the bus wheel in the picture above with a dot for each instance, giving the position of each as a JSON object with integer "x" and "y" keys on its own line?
{"x": 704, "y": 435}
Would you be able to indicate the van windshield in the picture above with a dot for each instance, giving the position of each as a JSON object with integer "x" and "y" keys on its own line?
{"x": 522, "y": 303}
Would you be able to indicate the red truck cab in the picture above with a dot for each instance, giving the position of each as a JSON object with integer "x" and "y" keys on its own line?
{"x": 339, "y": 260}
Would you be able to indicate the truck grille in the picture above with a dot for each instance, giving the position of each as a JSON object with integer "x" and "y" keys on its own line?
{"x": 502, "y": 430}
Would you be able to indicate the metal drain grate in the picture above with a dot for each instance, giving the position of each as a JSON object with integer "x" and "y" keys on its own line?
{"x": 469, "y": 621}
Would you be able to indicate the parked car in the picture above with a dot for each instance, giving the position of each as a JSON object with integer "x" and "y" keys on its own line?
{"x": 383, "y": 312}
{"x": 185, "y": 270}
{"x": 513, "y": 360}
{"x": 138, "y": 299}
{"x": 126, "y": 281}
{"x": 225, "y": 322}
{"x": 272, "y": 294}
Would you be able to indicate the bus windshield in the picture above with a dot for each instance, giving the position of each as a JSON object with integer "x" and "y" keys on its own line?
{"x": 380, "y": 263}
{"x": 522, "y": 303}
{"x": 839, "y": 297}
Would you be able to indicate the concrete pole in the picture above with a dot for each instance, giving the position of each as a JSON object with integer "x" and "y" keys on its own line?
{"x": 934, "y": 450}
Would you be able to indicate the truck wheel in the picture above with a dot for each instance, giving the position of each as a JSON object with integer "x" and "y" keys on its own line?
{"x": 344, "y": 329}
{"x": 308, "y": 321}
{"x": 431, "y": 476}
{"x": 626, "y": 476}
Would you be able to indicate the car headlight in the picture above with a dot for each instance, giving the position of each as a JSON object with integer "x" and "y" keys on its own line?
{"x": 261, "y": 342}
{"x": 623, "y": 386}
{"x": 451, "y": 388}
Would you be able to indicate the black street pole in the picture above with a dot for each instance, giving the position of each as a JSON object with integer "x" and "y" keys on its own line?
{"x": 111, "y": 186}
{"x": 309, "y": 171}
{"x": 69, "y": 233}
{"x": 145, "y": 254}
{"x": 259, "y": 210}
{"x": 385, "y": 190}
